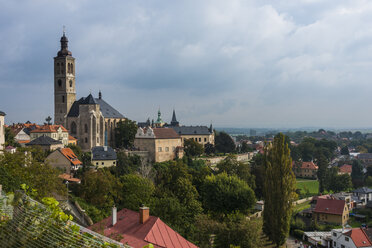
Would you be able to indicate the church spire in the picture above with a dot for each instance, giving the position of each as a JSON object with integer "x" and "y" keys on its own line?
{"x": 174, "y": 121}
{"x": 64, "y": 45}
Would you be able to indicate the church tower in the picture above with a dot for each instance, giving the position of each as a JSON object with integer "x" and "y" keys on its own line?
{"x": 64, "y": 82}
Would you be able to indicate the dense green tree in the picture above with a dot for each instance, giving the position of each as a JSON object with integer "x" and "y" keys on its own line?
{"x": 245, "y": 148}
{"x": 279, "y": 190}
{"x": 258, "y": 171}
{"x": 193, "y": 148}
{"x": 125, "y": 132}
{"x": 344, "y": 150}
{"x": 101, "y": 189}
{"x": 136, "y": 191}
{"x": 209, "y": 148}
{"x": 205, "y": 227}
{"x": 224, "y": 143}
{"x": 322, "y": 172}
{"x": 336, "y": 182}
{"x": 357, "y": 174}
{"x": 369, "y": 181}
{"x": 222, "y": 194}
{"x": 9, "y": 138}
{"x": 126, "y": 164}
{"x": 238, "y": 231}
{"x": 232, "y": 166}
{"x": 21, "y": 168}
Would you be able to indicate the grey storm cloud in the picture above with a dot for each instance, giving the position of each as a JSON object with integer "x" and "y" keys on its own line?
{"x": 236, "y": 63}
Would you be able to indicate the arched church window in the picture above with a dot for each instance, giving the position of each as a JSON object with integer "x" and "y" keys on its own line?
{"x": 59, "y": 82}
{"x": 86, "y": 140}
{"x": 70, "y": 83}
{"x": 72, "y": 68}
{"x": 73, "y": 128}
{"x": 57, "y": 68}
{"x": 86, "y": 128}
{"x": 62, "y": 69}
{"x": 63, "y": 98}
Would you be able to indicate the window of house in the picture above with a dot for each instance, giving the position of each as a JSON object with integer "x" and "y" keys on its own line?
{"x": 205, "y": 139}
{"x": 342, "y": 246}
{"x": 70, "y": 83}
{"x": 96, "y": 163}
{"x": 167, "y": 149}
{"x": 334, "y": 234}
{"x": 174, "y": 148}
{"x": 346, "y": 239}
{"x": 103, "y": 163}
{"x": 199, "y": 139}
{"x": 334, "y": 243}
{"x": 114, "y": 162}
{"x": 159, "y": 149}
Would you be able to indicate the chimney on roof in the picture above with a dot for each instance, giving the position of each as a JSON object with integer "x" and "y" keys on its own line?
{"x": 114, "y": 216}
{"x": 144, "y": 214}
{"x": 100, "y": 95}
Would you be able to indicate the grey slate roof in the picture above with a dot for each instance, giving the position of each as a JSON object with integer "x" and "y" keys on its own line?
{"x": 365, "y": 156}
{"x": 99, "y": 153}
{"x": 106, "y": 109}
{"x": 2, "y": 113}
{"x": 43, "y": 141}
{"x": 190, "y": 130}
{"x": 363, "y": 190}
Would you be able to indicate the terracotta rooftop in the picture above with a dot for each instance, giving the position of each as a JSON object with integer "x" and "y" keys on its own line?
{"x": 48, "y": 129}
{"x": 69, "y": 178}
{"x": 309, "y": 165}
{"x": 70, "y": 155}
{"x": 137, "y": 235}
{"x": 346, "y": 168}
{"x": 71, "y": 138}
{"x": 329, "y": 206}
{"x": 359, "y": 237}
{"x": 165, "y": 133}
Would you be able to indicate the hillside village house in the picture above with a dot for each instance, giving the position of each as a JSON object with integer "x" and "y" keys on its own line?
{"x": 2, "y": 130}
{"x": 331, "y": 211}
{"x": 163, "y": 144}
{"x": 306, "y": 170}
{"x": 351, "y": 238}
{"x": 65, "y": 160}
{"x": 22, "y": 132}
{"x": 46, "y": 143}
{"x": 138, "y": 229}
{"x": 56, "y": 132}
{"x": 363, "y": 194}
{"x": 103, "y": 156}
{"x": 92, "y": 121}
{"x": 366, "y": 158}
{"x": 345, "y": 169}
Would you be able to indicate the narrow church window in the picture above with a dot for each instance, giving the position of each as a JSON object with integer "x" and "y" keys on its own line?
{"x": 72, "y": 68}
{"x": 59, "y": 82}
{"x": 68, "y": 68}
{"x": 70, "y": 83}
{"x": 86, "y": 140}
{"x": 73, "y": 128}
{"x": 63, "y": 98}
{"x": 86, "y": 128}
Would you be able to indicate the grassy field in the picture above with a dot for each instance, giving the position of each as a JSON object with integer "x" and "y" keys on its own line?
{"x": 307, "y": 184}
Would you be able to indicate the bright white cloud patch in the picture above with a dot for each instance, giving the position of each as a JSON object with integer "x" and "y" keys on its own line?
{"x": 236, "y": 63}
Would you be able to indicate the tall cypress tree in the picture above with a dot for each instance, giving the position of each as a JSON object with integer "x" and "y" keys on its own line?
{"x": 279, "y": 190}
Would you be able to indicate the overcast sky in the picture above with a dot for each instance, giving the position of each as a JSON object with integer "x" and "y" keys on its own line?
{"x": 237, "y": 63}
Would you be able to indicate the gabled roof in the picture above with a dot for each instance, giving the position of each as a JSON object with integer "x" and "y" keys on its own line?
{"x": 70, "y": 155}
{"x": 329, "y": 206}
{"x": 365, "y": 156}
{"x": 346, "y": 168}
{"x": 137, "y": 235}
{"x": 359, "y": 237}
{"x": 43, "y": 141}
{"x": 106, "y": 109}
{"x": 309, "y": 165}
{"x": 48, "y": 129}
{"x": 71, "y": 138}
{"x": 165, "y": 133}
{"x": 363, "y": 190}
{"x": 103, "y": 153}
{"x": 69, "y": 178}
{"x": 190, "y": 130}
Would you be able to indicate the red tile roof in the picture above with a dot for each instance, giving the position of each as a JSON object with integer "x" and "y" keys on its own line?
{"x": 23, "y": 141}
{"x": 137, "y": 235}
{"x": 346, "y": 168}
{"x": 69, "y": 178}
{"x": 359, "y": 237}
{"x": 70, "y": 155}
{"x": 71, "y": 138}
{"x": 48, "y": 129}
{"x": 309, "y": 165}
{"x": 165, "y": 133}
{"x": 329, "y": 206}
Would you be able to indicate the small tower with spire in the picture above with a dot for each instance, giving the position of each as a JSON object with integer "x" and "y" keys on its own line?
{"x": 174, "y": 122}
{"x": 159, "y": 122}
{"x": 64, "y": 82}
